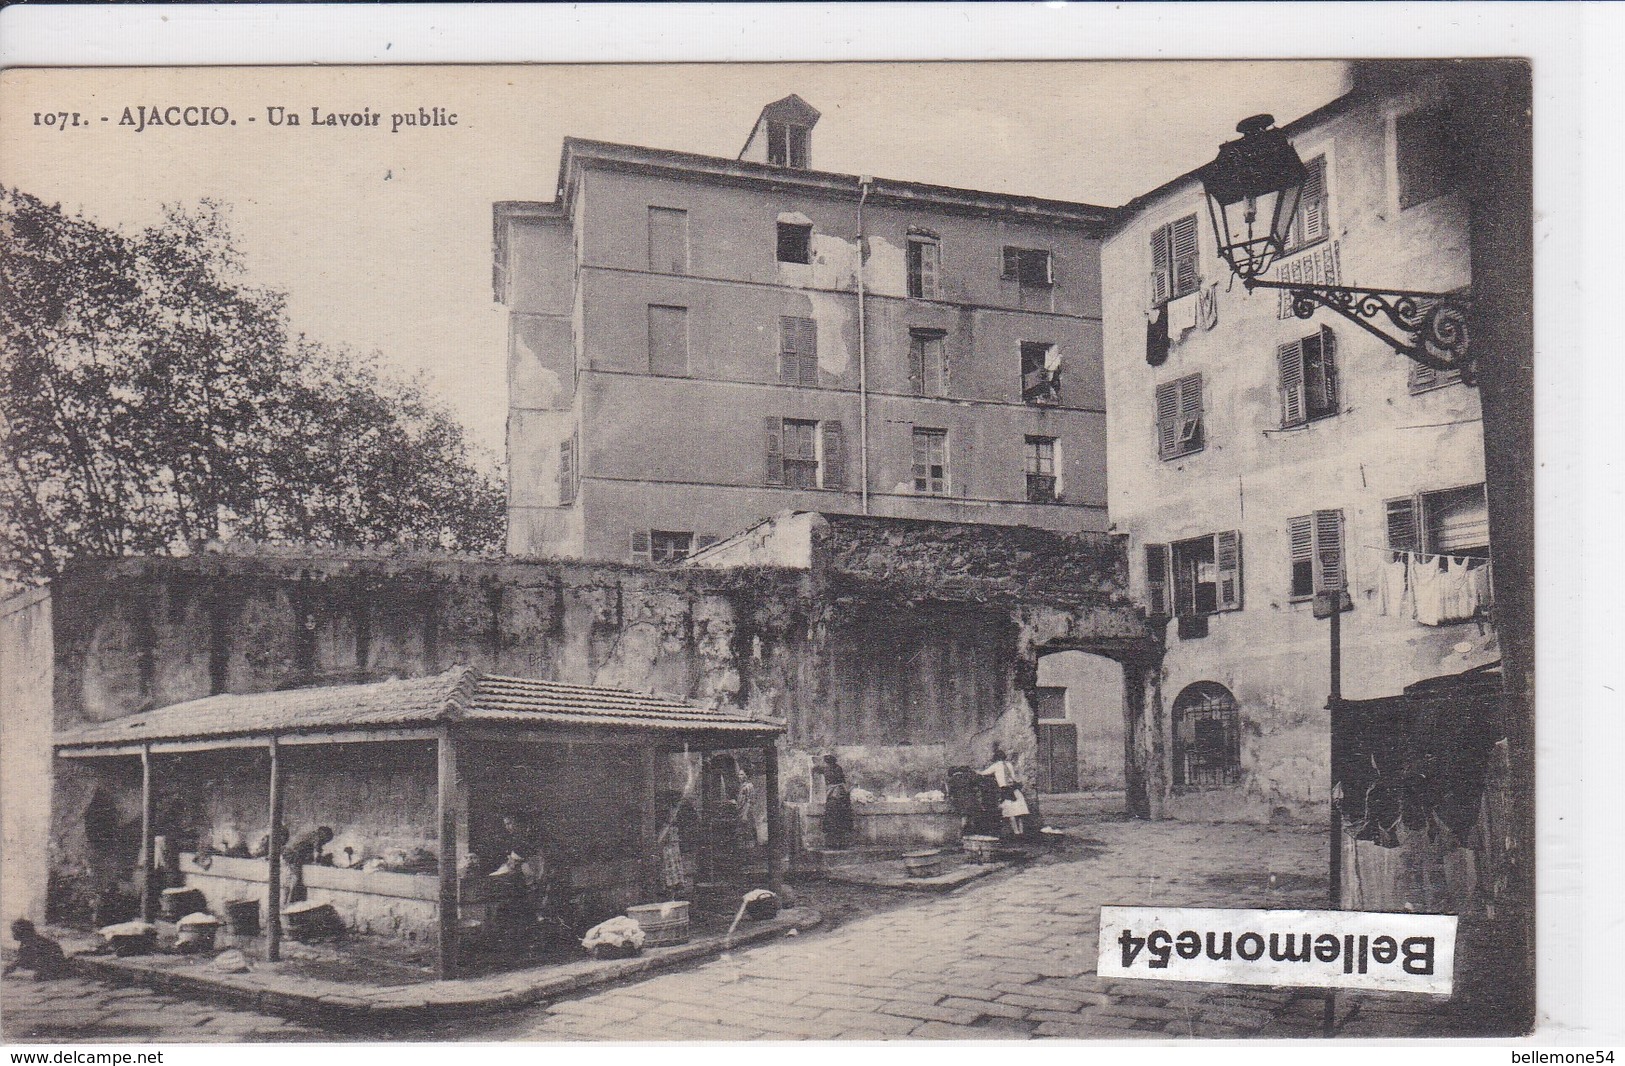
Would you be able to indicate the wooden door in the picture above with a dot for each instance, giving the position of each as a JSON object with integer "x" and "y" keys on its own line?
{"x": 1057, "y": 757}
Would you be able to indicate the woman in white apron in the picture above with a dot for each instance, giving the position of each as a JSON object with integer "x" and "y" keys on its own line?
{"x": 1012, "y": 804}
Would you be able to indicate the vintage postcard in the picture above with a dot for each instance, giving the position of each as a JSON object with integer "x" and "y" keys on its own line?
{"x": 833, "y": 551}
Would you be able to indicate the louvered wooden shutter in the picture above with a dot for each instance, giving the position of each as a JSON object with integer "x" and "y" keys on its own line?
{"x": 1404, "y": 523}
{"x": 1162, "y": 282}
{"x": 1190, "y": 412}
{"x": 1290, "y": 359}
{"x": 1186, "y": 274}
{"x": 917, "y": 355}
{"x": 1227, "y": 553}
{"x": 1329, "y": 550}
{"x": 1184, "y": 585}
{"x": 774, "y": 431}
{"x": 567, "y": 472}
{"x": 1328, "y": 363}
{"x": 1156, "y": 580}
{"x": 1312, "y": 212}
{"x": 798, "y": 351}
{"x": 834, "y": 455}
{"x": 1167, "y": 418}
{"x": 1301, "y": 550}
{"x": 640, "y": 546}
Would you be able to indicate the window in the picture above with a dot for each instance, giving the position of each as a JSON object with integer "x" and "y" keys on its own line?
{"x": 1423, "y": 378}
{"x": 1028, "y": 266}
{"x": 1207, "y": 737}
{"x": 668, "y": 240}
{"x": 927, "y": 362}
{"x": 1174, "y": 270}
{"x": 1426, "y": 155}
{"x": 1040, "y": 373}
{"x": 668, "y": 340}
{"x": 1310, "y": 225}
{"x": 1049, "y": 702}
{"x": 931, "y": 462}
{"x": 1308, "y": 378}
{"x": 1043, "y": 486}
{"x": 1453, "y": 521}
{"x": 924, "y": 261}
{"x": 1205, "y": 571}
{"x": 567, "y": 472}
{"x": 806, "y": 454}
{"x": 795, "y": 243}
{"x": 1179, "y": 417}
{"x": 661, "y": 545}
{"x": 1316, "y": 545}
{"x": 798, "y": 351}
{"x": 787, "y": 145}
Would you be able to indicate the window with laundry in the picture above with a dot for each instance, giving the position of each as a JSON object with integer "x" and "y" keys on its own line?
{"x": 1437, "y": 566}
{"x": 1316, "y": 547}
{"x": 1029, "y": 267}
{"x": 1174, "y": 268}
{"x": 1308, "y": 378}
{"x": 1179, "y": 417}
{"x": 805, "y": 453}
{"x": 924, "y": 265}
{"x": 1040, "y": 372}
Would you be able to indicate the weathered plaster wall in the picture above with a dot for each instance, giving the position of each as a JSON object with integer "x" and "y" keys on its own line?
{"x": 1252, "y": 476}
{"x": 1094, "y": 704}
{"x": 25, "y": 754}
{"x": 685, "y": 452}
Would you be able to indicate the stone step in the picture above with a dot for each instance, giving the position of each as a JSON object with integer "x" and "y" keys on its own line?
{"x": 1076, "y": 804}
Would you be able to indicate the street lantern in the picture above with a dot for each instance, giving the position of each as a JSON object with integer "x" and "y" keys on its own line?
{"x": 1253, "y": 189}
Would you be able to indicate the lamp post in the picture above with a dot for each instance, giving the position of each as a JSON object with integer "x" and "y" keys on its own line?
{"x": 1253, "y": 189}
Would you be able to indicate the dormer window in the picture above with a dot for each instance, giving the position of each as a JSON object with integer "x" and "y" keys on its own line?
{"x": 787, "y": 145}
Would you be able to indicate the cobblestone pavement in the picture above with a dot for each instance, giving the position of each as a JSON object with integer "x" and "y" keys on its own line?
{"x": 79, "y": 1010}
{"x": 1009, "y": 957}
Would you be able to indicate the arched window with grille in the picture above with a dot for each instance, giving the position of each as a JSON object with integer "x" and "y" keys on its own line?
{"x": 1207, "y": 737}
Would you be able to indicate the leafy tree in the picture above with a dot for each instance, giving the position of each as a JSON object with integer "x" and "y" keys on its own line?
{"x": 151, "y": 400}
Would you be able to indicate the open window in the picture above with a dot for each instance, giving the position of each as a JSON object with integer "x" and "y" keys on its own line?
{"x": 1043, "y": 478}
{"x": 1040, "y": 373}
{"x": 1449, "y": 522}
{"x": 1308, "y": 378}
{"x": 1194, "y": 578}
{"x": 795, "y": 242}
{"x": 924, "y": 265}
{"x": 661, "y": 545}
{"x": 787, "y": 145}
{"x": 805, "y": 453}
{"x": 1029, "y": 267}
{"x": 1179, "y": 417}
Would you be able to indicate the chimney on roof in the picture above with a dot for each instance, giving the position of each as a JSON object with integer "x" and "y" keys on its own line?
{"x": 783, "y": 135}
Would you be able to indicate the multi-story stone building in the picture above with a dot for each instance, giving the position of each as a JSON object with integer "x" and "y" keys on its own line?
{"x": 1260, "y": 462}
{"x": 697, "y": 343}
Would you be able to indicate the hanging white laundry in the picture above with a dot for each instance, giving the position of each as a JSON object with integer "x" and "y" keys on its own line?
{"x": 1182, "y": 314}
{"x": 1460, "y": 593}
{"x": 1207, "y": 306}
{"x": 1394, "y": 584}
{"x": 1427, "y": 587}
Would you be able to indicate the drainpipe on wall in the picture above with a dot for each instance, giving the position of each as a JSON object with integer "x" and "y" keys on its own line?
{"x": 863, "y": 350}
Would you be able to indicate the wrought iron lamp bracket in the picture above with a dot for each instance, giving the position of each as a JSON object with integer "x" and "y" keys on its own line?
{"x": 1429, "y": 327}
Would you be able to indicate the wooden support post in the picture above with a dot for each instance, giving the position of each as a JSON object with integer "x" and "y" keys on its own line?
{"x": 446, "y": 811}
{"x": 149, "y": 908}
{"x": 775, "y": 815}
{"x": 702, "y": 844}
{"x": 649, "y": 824}
{"x": 273, "y": 862}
